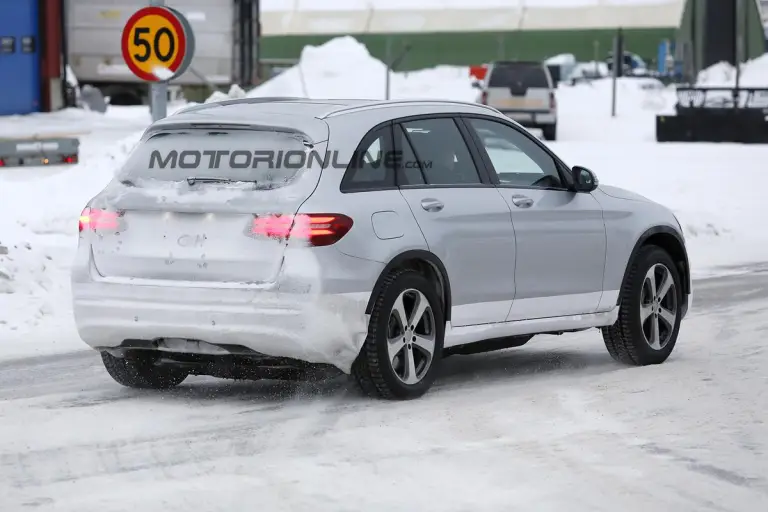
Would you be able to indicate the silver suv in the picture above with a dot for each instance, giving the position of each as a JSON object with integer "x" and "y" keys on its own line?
{"x": 523, "y": 91}
{"x": 282, "y": 238}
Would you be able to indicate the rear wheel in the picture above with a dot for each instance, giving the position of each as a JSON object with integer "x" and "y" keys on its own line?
{"x": 650, "y": 311}
{"x": 549, "y": 131}
{"x": 140, "y": 371}
{"x": 400, "y": 356}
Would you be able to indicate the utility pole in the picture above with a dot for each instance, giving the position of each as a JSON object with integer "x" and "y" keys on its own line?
{"x": 618, "y": 64}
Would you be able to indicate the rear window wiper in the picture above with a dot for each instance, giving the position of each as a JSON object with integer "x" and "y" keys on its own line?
{"x": 191, "y": 180}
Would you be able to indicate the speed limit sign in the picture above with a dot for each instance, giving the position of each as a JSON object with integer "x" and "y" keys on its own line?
{"x": 158, "y": 44}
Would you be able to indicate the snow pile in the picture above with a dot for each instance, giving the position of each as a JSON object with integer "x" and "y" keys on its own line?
{"x": 235, "y": 92}
{"x": 753, "y": 74}
{"x": 343, "y": 68}
{"x": 591, "y": 69}
{"x": 563, "y": 59}
{"x": 723, "y": 220}
{"x": 584, "y": 109}
{"x": 39, "y": 208}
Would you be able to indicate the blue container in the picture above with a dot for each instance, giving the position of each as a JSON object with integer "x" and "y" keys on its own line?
{"x": 661, "y": 58}
{"x": 19, "y": 57}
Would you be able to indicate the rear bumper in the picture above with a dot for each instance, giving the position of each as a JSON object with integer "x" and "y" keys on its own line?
{"x": 530, "y": 118}
{"x": 315, "y": 327}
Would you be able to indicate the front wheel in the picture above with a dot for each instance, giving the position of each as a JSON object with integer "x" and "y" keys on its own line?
{"x": 139, "y": 371}
{"x": 401, "y": 354}
{"x": 650, "y": 311}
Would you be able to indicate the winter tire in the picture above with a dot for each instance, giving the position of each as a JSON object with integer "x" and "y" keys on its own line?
{"x": 401, "y": 354}
{"x": 650, "y": 311}
{"x": 140, "y": 372}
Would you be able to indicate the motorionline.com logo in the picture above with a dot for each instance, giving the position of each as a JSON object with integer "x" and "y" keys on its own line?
{"x": 291, "y": 159}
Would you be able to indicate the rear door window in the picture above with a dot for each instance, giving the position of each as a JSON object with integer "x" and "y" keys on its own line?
{"x": 519, "y": 74}
{"x": 371, "y": 167}
{"x": 268, "y": 158}
{"x": 441, "y": 152}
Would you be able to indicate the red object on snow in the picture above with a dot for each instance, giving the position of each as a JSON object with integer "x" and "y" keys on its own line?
{"x": 478, "y": 72}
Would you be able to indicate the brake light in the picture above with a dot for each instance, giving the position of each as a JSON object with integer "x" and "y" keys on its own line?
{"x": 484, "y": 97}
{"x": 319, "y": 229}
{"x": 71, "y": 159}
{"x": 97, "y": 219}
{"x": 552, "y": 101}
{"x": 2, "y": 162}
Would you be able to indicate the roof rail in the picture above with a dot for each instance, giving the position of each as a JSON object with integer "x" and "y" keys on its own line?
{"x": 237, "y": 101}
{"x": 382, "y": 103}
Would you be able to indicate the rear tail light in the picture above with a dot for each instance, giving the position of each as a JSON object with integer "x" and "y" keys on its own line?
{"x": 71, "y": 159}
{"x": 318, "y": 229}
{"x": 484, "y": 98}
{"x": 96, "y": 219}
{"x": 552, "y": 101}
{"x": 2, "y": 162}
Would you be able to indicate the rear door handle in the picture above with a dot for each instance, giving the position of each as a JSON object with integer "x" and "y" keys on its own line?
{"x": 431, "y": 205}
{"x": 522, "y": 201}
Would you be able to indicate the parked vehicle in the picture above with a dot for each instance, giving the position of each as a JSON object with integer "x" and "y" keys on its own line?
{"x": 94, "y": 28}
{"x": 525, "y": 92}
{"x": 438, "y": 228}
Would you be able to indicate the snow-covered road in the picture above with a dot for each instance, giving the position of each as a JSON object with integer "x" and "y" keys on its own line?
{"x": 553, "y": 426}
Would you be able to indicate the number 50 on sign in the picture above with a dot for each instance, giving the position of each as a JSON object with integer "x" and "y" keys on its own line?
{"x": 158, "y": 44}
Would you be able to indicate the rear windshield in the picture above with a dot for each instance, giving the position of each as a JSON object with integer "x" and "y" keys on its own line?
{"x": 518, "y": 74}
{"x": 270, "y": 159}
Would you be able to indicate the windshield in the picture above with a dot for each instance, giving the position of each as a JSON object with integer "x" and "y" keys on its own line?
{"x": 271, "y": 159}
{"x": 525, "y": 74}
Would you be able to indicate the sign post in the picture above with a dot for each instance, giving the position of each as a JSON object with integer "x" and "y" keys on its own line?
{"x": 158, "y": 91}
{"x": 158, "y": 45}
{"x": 618, "y": 66}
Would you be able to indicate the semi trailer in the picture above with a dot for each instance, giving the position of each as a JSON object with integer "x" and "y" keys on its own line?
{"x": 225, "y": 49}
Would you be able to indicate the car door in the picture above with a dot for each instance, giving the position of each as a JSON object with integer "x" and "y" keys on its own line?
{"x": 561, "y": 237}
{"x": 464, "y": 220}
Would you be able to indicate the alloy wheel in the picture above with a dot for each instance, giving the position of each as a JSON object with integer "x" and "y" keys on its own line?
{"x": 411, "y": 336}
{"x": 658, "y": 306}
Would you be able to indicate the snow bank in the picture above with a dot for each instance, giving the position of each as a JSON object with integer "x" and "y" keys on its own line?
{"x": 343, "y": 68}
{"x": 585, "y": 109}
{"x": 753, "y": 74}
{"x": 39, "y": 208}
{"x": 722, "y": 218}
{"x": 563, "y": 59}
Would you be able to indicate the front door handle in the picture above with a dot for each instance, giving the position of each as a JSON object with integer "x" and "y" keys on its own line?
{"x": 432, "y": 205}
{"x": 522, "y": 201}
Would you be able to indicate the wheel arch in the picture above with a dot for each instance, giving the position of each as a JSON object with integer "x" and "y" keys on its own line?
{"x": 671, "y": 241}
{"x": 424, "y": 262}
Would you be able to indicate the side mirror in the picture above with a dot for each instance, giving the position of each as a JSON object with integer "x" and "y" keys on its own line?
{"x": 477, "y": 85}
{"x": 584, "y": 180}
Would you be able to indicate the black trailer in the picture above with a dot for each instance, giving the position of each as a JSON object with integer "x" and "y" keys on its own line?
{"x": 717, "y": 114}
